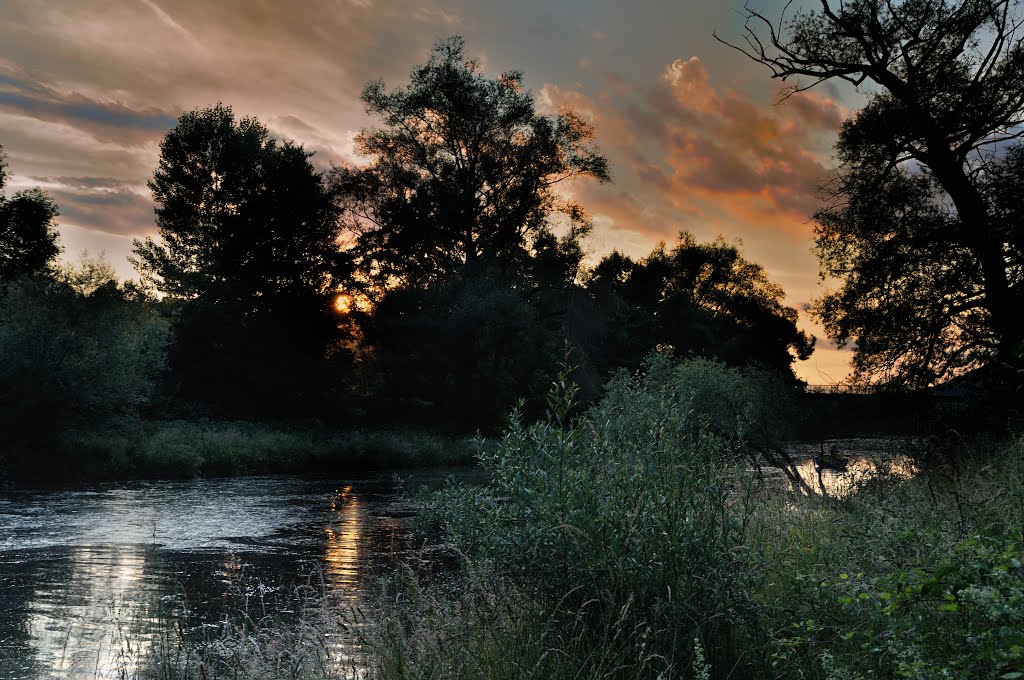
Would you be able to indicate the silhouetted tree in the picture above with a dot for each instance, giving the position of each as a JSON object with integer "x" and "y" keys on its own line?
{"x": 28, "y": 235}
{"x": 462, "y": 174}
{"x": 913, "y": 295}
{"x": 947, "y": 87}
{"x": 702, "y": 299}
{"x": 247, "y": 252}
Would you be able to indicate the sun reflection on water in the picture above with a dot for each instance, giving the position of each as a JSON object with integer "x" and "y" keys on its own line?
{"x": 91, "y": 640}
{"x": 344, "y": 533}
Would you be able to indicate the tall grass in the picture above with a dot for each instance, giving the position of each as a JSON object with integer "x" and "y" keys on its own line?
{"x": 915, "y": 579}
{"x": 630, "y": 543}
{"x": 299, "y": 634}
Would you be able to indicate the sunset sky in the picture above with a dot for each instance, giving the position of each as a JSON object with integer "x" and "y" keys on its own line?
{"x": 691, "y": 128}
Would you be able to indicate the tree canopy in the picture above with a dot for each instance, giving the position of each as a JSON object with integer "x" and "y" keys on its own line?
{"x": 702, "y": 299}
{"x": 28, "y": 234}
{"x": 241, "y": 218}
{"x": 927, "y": 258}
{"x": 462, "y": 173}
{"x": 75, "y": 348}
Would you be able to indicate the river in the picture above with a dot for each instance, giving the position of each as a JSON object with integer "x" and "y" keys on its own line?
{"x": 80, "y": 568}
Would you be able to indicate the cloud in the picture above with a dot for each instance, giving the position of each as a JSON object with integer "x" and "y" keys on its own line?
{"x": 692, "y": 153}
{"x": 329, "y": 148}
{"x": 709, "y": 154}
{"x": 102, "y": 204}
{"x": 107, "y": 121}
{"x": 436, "y": 15}
{"x": 169, "y": 21}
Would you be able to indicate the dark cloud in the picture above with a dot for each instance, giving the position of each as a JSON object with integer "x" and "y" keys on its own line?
{"x": 105, "y": 121}
{"x": 100, "y": 203}
{"x": 82, "y": 183}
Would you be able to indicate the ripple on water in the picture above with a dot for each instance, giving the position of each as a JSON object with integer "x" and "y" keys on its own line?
{"x": 75, "y": 566}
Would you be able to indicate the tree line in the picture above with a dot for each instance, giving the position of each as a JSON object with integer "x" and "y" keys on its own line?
{"x": 443, "y": 278}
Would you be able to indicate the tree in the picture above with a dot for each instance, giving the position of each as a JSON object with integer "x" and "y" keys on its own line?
{"x": 76, "y": 348}
{"x": 946, "y": 91}
{"x": 913, "y": 296}
{"x": 241, "y": 218}
{"x": 463, "y": 174}
{"x": 248, "y": 253}
{"x": 702, "y": 299}
{"x": 28, "y": 235}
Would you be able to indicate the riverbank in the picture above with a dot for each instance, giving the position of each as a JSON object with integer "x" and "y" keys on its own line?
{"x": 903, "y": 577}
{"x": 181, "y": 449}
{"x": 638, "y": 541}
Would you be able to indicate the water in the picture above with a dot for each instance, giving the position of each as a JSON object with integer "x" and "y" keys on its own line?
{"x": 78, "y": 567}
{"x": 861, "y": 459}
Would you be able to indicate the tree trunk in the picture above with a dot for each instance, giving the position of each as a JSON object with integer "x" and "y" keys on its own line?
{"x": 977, "y": 233}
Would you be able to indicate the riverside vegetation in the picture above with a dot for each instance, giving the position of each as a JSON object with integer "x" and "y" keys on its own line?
{"x": 635, "y": 541}
{"x": 184, "y": 449}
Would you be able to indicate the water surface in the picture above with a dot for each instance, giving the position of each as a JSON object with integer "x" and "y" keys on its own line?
{"x": 78, "y": 569}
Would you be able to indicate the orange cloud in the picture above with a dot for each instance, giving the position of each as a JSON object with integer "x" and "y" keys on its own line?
{"x": 689, "y": 145}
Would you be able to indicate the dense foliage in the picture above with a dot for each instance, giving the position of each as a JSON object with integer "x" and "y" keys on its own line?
{"x": 626, "y": 544}
{"x": 75, "y": 348}
{"x": 435, "y": 285}
{"x": 462, "y": 175}
{"x": 629, "y": 506}
{"x": 701, "y": 299}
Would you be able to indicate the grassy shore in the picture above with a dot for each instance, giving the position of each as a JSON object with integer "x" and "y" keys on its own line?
{"x": 917, "y": 578}
{"x": 183, "y": 449}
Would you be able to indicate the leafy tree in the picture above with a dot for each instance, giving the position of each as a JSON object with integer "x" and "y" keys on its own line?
{"x": 702, "y": 299}
{"x": 241, "y": 218}
{"x": 28, "y": 236}
{"x": 76, "y": 348}
{"x": 946, "y": 88}
{"x": 462, "y": 175}
{"x": 247, "y": 251}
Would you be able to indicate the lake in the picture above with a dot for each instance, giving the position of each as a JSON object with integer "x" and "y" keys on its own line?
{"x": 80, "y": 568}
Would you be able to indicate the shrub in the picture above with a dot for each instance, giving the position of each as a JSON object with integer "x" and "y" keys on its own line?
{"x": 634, "y": 504}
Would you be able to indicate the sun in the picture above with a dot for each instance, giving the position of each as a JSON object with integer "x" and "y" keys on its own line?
{"x": 343, "y": 304}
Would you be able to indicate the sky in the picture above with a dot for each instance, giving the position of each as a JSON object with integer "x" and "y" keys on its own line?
{"x": 695, "y": 133}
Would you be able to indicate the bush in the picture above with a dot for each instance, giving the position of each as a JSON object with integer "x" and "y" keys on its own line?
{"x": 633, "y": 505}
{"x": 75, "y": 348}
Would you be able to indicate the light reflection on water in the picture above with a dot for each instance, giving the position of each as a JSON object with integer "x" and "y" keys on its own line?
{"x": 860, "y": 459}
{"x": 341, "y": 556}
{"x": 79, "y": 569}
